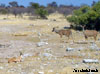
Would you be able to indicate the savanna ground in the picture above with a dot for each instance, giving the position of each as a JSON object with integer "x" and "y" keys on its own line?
{"x": 18, "y": 34}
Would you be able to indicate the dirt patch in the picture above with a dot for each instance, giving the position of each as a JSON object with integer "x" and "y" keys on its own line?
{"x": 50, "y": 58}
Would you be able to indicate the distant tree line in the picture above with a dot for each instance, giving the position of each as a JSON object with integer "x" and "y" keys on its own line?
{"x": 88, "y": 16}
{"x": 36, "y": 9}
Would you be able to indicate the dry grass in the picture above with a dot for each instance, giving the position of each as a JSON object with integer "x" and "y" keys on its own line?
{"x": 25, "y": 32}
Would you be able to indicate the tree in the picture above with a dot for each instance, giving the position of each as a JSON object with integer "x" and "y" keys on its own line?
{"x": 21, "y": 6}
{"x": 13, "y": 4}
{"x": 86, "y": 15}
{"x": 42, "y": 13}
{"x": 80, "y": 17}
{"x": 2, "y": 5}
{"x": 93, "y": 3}
{"x": 39, "y": 10}
{"x": 96, "y": 7}
{"x": 53, "y": 4}
{"x": 15, "y": 12}
{"x": 34, "y": 5}
{"x": 82, "y": 10}
{"x": 3, "y": 11}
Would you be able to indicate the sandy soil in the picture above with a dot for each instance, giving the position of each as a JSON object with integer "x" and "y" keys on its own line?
{"x": 23, "y": 35}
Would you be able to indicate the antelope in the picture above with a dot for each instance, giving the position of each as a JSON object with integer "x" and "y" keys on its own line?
{"x": 90, "y": 33}
{"x": 15, "y": 59}
{"x": 62, "y": 32}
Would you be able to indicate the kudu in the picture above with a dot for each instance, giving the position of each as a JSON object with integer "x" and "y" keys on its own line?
{"x": 62, "y": 32}
{"x": 89, "y": 33}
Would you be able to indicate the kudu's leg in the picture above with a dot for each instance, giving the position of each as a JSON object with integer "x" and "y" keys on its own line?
{"x": 95, "y": 38}
{"x": 86, "y": 38}
{"x": 72, "y": 38}
{"x": 68, "y": 39}
{"x": 60, "y": 37}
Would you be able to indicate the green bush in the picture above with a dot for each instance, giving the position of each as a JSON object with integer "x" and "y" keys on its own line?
{"x": 89, "y": 16}
{"x": 34, "y": 5}
{"x": 42, "y": 13}
{"x": 3, "y": 11}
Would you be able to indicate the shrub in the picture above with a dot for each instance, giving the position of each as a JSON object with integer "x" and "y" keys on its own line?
{"x": 86, "y": 15}
{"x": 42, "y": 13}
{"x": 3, "y": 11}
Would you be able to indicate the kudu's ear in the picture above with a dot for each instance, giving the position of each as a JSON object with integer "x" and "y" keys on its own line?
{"x": 21, "y": 53}
{"x": 82, "y": 25}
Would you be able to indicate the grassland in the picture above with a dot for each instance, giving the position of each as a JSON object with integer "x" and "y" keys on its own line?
{"x": 18, "y": 34}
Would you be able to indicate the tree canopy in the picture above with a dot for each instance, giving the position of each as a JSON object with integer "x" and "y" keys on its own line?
{"x": 86, "y": 15}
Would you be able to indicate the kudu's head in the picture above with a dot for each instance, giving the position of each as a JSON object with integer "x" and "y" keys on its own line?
{"x": 53, "y": 30}
{"x": 83, "y": 26}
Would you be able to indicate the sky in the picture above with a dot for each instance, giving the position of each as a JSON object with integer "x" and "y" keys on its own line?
{"x": 45, "y": 2}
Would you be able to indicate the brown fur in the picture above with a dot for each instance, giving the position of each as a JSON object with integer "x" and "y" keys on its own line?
{"x": 90, "y": 33}
{"x": 62, "y": 32}
{"x": 15, "y": 59}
